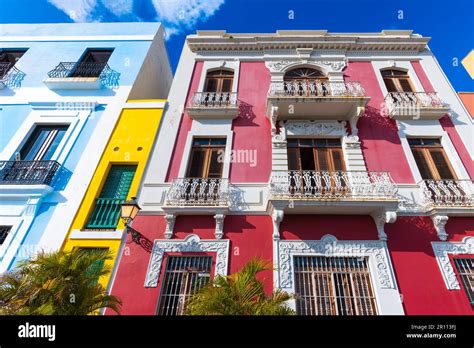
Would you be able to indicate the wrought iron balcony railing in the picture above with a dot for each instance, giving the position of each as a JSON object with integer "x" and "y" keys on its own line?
{"x": 105, "y": 214}
{"x": 10, "y": 75}
{"x": 198, "y": 192}
{"x": 213, "y": 100}
{"x": 414, "y": 100}
{"x": 448, "y": 193}
{"x": 102, "y": 71}
{"x": 323, "y": 185}
{"x": 28, "y": 172}
{"x": 315, "y": 88}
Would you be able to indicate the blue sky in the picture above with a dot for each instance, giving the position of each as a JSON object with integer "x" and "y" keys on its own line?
{"x": 449, "y": 23}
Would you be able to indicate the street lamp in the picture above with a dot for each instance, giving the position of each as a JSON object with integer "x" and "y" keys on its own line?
{"x": 129, "y": 211}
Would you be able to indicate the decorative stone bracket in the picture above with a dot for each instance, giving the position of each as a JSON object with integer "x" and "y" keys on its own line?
{"x": 277, "y": 217}
{"x": 170, "y": 220}
{"x": 439, "y": 222}
{"x": 382, "y": 218}
{"x": 219, "y": 233}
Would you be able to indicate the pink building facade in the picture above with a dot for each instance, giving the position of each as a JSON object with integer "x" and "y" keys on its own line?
{"x": 346, "y": 160}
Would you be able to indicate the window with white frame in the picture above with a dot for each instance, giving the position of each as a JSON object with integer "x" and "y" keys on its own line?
{"x": 465, "y": 268}
{"x": 183, "y": 277}
{"x": 333, "y": 286}
{"x": 4, "y": 231}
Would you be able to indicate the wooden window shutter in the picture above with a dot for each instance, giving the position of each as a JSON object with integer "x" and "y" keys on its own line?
{"x": 422, "y": 164}
{"x": 441, "y": 164}
{"x": 293, "y": 159}
{"x": 197, "y": 163}
{"x": 391, "y": 87}
{"x": 216, "y": 163}
{"x": 405, "y": 85}
{"x": 337, "y": 160}
{"x": 323, "y": 161}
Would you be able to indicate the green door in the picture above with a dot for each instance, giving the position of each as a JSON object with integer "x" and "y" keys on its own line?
{"x": 115, "y": 190}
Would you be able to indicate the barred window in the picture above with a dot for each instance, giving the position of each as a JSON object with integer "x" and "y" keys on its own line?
{"x": 333, "y": 286}
{"x": 465, "y": 268}
{"x": 183, "y": 277}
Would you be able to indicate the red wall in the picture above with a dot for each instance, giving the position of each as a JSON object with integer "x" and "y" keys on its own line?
{"x": 251, "y": 128}
{"x": 313, "y": 227}
{"x": 417, "y": 272}
{"x": 378, "y": 134}
{"x": 446, "y": 123}
{"x": 250, "y": 236}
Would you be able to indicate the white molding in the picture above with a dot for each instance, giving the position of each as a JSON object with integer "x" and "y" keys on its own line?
{"x": 314, "y": 128}
{"x": 442, "y": 250}
{"x": 145, "y": 105}
{"x": 383, "y": 279}
{"x": 190, "y": 244}
{"x": 81, "y": 234}
{"x": 51, "y": 38}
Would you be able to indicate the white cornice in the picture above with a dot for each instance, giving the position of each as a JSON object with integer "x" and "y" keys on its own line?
{"x": 390, "y": 40}
{"x": 77, "y": 38}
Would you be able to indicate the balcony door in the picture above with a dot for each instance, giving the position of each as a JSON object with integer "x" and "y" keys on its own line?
{"x": 315, "y": 166}
{"x": 305, "y": 82}
{"x": 115, "y": 190}
{"x": 397, "y": 80}
{"x": 219, "y": 81}
{"x": 431, "y": 159}
{"x": 315, "y": 155}
{"x": 92, "y": 63}
{"x": 206, "y": 160}
{"x": 43, "y": 142}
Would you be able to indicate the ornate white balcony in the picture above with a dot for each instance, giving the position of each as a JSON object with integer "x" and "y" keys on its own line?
{"x": 198, "y": 194}
{"x": 213, "y": 105}
{"x": 415, "y": 105}
{"x": 338, "y": 192}
{"x": 316, "y": 99}
{"x": 454, "y": 195}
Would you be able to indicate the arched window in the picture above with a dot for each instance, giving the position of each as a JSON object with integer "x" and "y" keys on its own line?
{"x": 301, "y": 74}
{"x": 397, "y": 80}
{"x": 305, "y": 82}
{"x": 219, "y": 81}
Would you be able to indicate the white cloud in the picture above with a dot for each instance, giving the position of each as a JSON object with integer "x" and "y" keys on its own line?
{"x": 77, "y": 10}
{"x": 176, "y": 15}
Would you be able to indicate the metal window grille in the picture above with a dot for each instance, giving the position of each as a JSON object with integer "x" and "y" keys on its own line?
{"x": 4, "y": 230}
{"x": 333, "y": 286}
{"x": 465, "y": 267}
{"x": 184, "y": 276}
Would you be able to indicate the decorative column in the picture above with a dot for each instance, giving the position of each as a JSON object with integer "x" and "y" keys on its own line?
{"x": 219, "y": 233}
{"x": 382, "y": 218}
{"x": 439, "y": 222}
{"x": 170, "y": 220}
{"x": 353, "y": 155}
{"x": 279, "y": 150}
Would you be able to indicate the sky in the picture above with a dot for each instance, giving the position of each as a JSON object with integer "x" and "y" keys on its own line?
{"x": 449, "y": 23}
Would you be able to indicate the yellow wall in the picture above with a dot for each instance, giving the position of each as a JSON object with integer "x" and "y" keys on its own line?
{"x": 135, "y": 128}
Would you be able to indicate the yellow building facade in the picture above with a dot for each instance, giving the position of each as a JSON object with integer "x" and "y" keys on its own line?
{"x": 116, "y": 178}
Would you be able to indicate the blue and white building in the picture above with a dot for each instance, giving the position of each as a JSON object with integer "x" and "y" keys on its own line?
{"x": 62, "y": 88}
